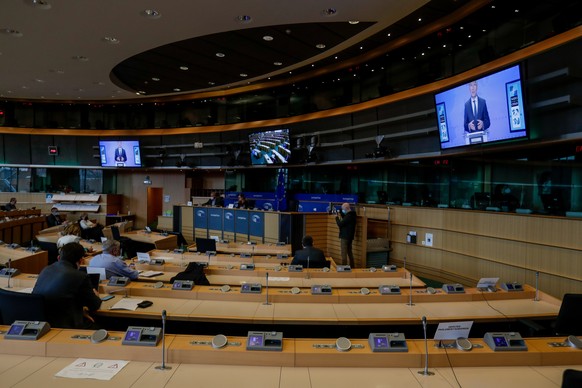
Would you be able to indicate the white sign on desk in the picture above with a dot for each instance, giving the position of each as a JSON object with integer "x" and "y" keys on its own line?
{"x": 453, "y": 330}
{"x": 87, "y": 368}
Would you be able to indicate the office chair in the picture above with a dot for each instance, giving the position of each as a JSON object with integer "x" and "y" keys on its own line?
{"x": 115, "y": 233}
{"x": 181, "y": 240}
{"x": 16, "y": 306}
{"x": 51, "y": 248}
{"x": 572, "y": 378}
{"x": 569, "y": 320}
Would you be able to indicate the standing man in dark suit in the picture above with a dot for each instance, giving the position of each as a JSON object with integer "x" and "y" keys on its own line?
{"x": 309, "y": 257}
{"x": 346, "y": 221}
{"x": 476, "y": 114}
{"x": 68, "y": 291}
{"x": 120, "y": 155}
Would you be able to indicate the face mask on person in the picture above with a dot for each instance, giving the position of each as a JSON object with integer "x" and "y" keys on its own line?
{"x": 344, "y": 211}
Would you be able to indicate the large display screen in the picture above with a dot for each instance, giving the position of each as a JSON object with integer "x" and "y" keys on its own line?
{"x": 270, "y": 147}
{"x": 484, "y": 110}
{"x": 117, "y": 153}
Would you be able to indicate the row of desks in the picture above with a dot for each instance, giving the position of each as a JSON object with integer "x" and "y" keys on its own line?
{"x": 195, "y": 349}
{"x": 25, "y": 260}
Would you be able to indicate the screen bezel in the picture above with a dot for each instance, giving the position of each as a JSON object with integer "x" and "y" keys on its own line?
{"x": 521, "y": 134}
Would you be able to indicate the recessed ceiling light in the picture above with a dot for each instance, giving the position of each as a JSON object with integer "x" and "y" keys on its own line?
{"x": 329, "y": 12}
{"x": 11, "y": 32}
{"x": 111, "y": 40}
{"x": 389, "y": 34}
{"x": 39, "y": 4}
{"x": 354, "y": 21}
{"x": 320, "y": 46}
{"x": 220, "y": 55}
{"x": 243, "y": 75}
{"x": 81, "y": 58}
{"x": 177, "y": 89}
{"x": 277, "y": 63}
{"x": 58, "y": 71}
{"x": 184, "y": 68}
{"x": 268, "y": 38}
{"x": 151, "y": 14}
{"x": 244, "y": 19}
{"x": 40, "y": 81}
{"x": 419, "y": 19}
{"x": 211, "y": 83}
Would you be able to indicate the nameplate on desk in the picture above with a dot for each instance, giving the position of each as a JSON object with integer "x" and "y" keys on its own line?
{"x": 247, "y": 267}
{"x": 512, "y": 286}
{"x": 118, "y": 281}
{"x": 295, "y": 268}
{"x": 505, "y": 342}
{"x": 389, "y": 268}
{"x": 265, "y": 340}
{"x": 251, "y": 288}
{"x": 245, "y": 255}
{"x": 9, "y": 272}
{"x": 344, "y": 268}
{"x": 387, "y": 342}
{"x": 182, "y": 285}
{"x": 142, "y": 336}
{"x": 389, "y": 290}
{"x": 324, "y": 289}
{"x": 27, "y": 330}
{"x": 282, "y": 256}
{"x": 453, "y": 288}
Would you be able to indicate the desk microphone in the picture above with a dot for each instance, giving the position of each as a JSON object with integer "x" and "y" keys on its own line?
{"x": 267, "y": 289}
{"x": 404, "y": 265}
{"x": 9, "y": 273}
{"x": 537, "y": 297}
{"x": 425, "y": 372}
{"x": 163, "y": 366}
{"x": 410, "y": 293}
{"x": 307, "y": 274}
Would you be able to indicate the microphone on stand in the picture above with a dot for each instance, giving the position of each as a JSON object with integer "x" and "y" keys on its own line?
{"x": 163, "y": 366}
{"x": 410, "y": 293}
{"x": 308, "y": 277}
{"x": 9, "y": 273}
{"x": 425, "y": 372}
{"x": 537, "y": 297}
{"x": 267, "y": 290}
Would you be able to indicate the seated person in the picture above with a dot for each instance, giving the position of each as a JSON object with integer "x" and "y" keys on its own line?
{"x": 71, "y": 233}
{"x": 242, "y": 202}
{"x": 63, "y": 281}
{"x": 54, "y": 218}
{"x": 11, "y": 205}
{"x": 309, "y": 257}
{"x": 110, "y": 260}
{"x": 215, "y": 200}
{"x": 90, "y": 229}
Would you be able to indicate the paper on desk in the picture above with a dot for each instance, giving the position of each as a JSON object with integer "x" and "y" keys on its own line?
{"x": 126, "y": 304}
{"x": 87, "y": 368}
{"x": 149, "y": 274}
{"x": 27, "y": 290}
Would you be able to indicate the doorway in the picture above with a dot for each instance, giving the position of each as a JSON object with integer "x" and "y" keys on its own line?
{"x": 154, "y": 204}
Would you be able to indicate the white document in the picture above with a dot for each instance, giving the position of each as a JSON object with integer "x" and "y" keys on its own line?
{"x": 87, "y": 368}
{"x": 150, "y": 274}
{"x": 126, "y": 304}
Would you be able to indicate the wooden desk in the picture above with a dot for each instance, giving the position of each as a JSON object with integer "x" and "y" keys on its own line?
{"x": 111, "y": 219}
{"x": 26, "y": 261}
{"x": 21, "y": 230}
{"x": 158, "y": 240}
{"x": 255, "y": 249}
{"x": 92, "y": 248}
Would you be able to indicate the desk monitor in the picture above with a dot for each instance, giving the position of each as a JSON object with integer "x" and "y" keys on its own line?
{"x": 100, "y": 272}
{"x": 205, "y": 244}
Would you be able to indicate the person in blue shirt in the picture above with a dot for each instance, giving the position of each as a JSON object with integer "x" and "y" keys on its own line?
{"x": 110, "y": 260}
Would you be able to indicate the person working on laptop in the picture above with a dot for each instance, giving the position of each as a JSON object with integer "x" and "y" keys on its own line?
{"x": 110, "y": 260}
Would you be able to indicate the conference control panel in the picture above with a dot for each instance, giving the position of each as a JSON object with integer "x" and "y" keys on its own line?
{"x": 387, "y": 342}
{"x": 343, "y": 268}
{"x": 9, "y": 272}
{"x": 118, "y": 281}
{"x": 142, "y": 336}
{"x": 514, "y": 286}
{"x": 251, "y": 288}
{"x": 27, "y": 330}
{"x": 295, "y": 268}
{"x": 265, "y": 340}
{"x": 389, "y": 290}
{"x": 507, "y": 341}
{"x": 389, "y": 268}
{"x": 454, "y": 288}
{"x": 321, "y": 289}
{"x": 247, "y": 267}
{"x": 182, "y": 285}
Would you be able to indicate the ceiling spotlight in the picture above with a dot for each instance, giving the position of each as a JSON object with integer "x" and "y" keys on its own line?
{"x": 58, "y": 71}
{"x": 39, "y": 4}
{"x": 244, "y": 19}
{"x": 81, "y": 58}
{"x": 184, "y": 68}
{"x": 277, "y": 63}
{"x": 155, "y": 79}
{"x": 320, "y": 46}
{"x": 354, "y": 21}
{"x": 329, "y": 12}
{"x": 151, "y": 14}
{"x": 243, "y": 75}
{"x": 211, "y": 83}
{"x": 177, "y": 89}
{"x": 268, "y": 38}
{"x": 11, "y": 32}
{"x": 111, "y": 40}
{"x": 220, "y": 55}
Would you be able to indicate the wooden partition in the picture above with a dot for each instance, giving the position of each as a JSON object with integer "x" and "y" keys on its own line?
{"x": 468, "y": 245}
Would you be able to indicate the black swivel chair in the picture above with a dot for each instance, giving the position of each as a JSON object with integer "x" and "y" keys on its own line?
{"x": 569, "y": 321}
{"x": 16, "y": 306}
{"x": 572, "y": 378}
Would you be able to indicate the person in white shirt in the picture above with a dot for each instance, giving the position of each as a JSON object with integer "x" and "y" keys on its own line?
{"x": 71, "y": 233}
{"x": 110, "y": 260}
{"x": 91, "y": 230}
